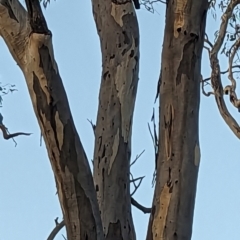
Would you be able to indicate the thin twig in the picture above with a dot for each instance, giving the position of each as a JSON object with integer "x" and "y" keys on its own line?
{"x": 136, "y": 186}
{"x": 55, "y": 231}
{"x": 137, "y": 157}
{"x": 136, "y": 179}
{"x": 93, "y": 125}
{"x": 64, "y": 237}
{"x": 207, "y": 94}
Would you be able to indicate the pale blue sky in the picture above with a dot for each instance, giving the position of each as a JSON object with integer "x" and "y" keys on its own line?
{"x": 28, "y": 204}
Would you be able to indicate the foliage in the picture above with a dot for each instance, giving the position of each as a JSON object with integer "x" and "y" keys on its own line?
{"x": 45, "y": 2}
{"x": 5, "y": 89}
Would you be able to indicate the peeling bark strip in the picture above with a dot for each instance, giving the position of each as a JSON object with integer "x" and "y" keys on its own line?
{"x": 179, "y": 152}
{"x": 119, "y": 40}
{"x": 31, "y": 47}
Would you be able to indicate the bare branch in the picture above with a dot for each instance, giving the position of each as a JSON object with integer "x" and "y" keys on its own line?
{"x": 137, "y": 157}
{"x": 55, "y": 231}
{"x": 208, "y": 49}
{"x": 136, "y": 186}
{"x": 7, "y": 135}
{"x": 155, "y": 142}
{"x": 148, "y": 4}
{"x": 133, "y": 180}
{"x": 140, "y": 207}
{"x": 136, "y": 179}
{"x": 93, "y": 125}
{"x": 208, "y": 41}
{"x": 64, "y": 237}
{"x": 207, "y": 94}
{"x": 150, "y": 131}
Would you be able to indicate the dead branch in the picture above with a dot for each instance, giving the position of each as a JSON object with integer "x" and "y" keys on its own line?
{"x": 136, "y": 186}
{"x": 208, "y": 49}
{"x": 155, "y": 143}
{"x": 137, "y": 157}
{"x": 64, "y": 237}
{"x": 154, "y": 135}
{"x": 140, "y": 207}
{"x": 7, "y": 135}
{"x": 93, "y": 125}
{"x": 134, "y": 180}
{"x": 56, "y": 229}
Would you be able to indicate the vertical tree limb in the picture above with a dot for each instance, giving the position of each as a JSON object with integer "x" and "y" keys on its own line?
{"x": 119, "y": 40}
{"x": 31, "y": 46}
{"x": 178, "y": 151}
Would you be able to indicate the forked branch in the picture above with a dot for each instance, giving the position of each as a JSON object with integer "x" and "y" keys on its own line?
{"x": 216, "y": 80}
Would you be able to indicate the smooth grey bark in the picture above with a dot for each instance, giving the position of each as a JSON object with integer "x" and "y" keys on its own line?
{"x": 179, "y": 152}
{"x": 118, "y": 31}
{"x": 30, "y": 43}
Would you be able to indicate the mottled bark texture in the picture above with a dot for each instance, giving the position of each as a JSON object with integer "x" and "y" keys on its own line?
{"x": 30, "y": 43}
{"x": 179, "y": 152}
{"x": 118, "y": 31}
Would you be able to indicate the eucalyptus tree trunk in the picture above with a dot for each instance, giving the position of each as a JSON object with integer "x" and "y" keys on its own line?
{"x": 118, "y": 31}
{"x": 30, "y": 43}
{"x": 179, "y": 153}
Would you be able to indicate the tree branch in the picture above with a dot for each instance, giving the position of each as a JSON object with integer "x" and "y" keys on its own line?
{"x": 207, "y": 94}
{"x": 136, "y": 186}
{"x": 155, "y": 143}
{"x": 137, "y": 157}
{"x": 216, "y": 72}
{"x": 7, "y": 135}
{"x": 93, "y": 125}
{"x": 32, "y": 49}
{"x": 140, "y": 207}
{"x": 222, "y": 32}
{"x": 55, "y": 231}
